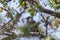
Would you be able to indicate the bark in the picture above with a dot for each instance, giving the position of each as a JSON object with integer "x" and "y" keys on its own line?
{"x": 42, "y": 9}
{"x": 47, "y": 11}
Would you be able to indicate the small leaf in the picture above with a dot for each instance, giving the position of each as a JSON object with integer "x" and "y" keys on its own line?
{"x": 17, "y": 16}
{"x": 56, "y": 22}
{"x": 40, "y": 30}
{"x": 52, "y": 1}
{"x": 9, "y": 15}
{"x": 31, "y": 11}
{"x": 55, "y": 3}
{"x": 57, "y": 6}
{"x": 5, "y": 5}
{"x": 52, "y": 5}
{"x": 52, "y": 39}
{"x": 22, "y": 3}
{"x": 24, "y": 30}
{"x": 37, "y": 5}
{"x": 0, "y": 0}
{"x": 1, "y": 10}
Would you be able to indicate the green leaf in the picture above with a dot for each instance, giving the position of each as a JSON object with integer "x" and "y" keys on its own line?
{"x": 24, "y": 30}
{"x": 17, "y": 16}
{"x": 1, "y": 9}
{"x": 9, "y": 15}
{"x": 5, "y": 5}
{"x": 52, "y": 38}
{"x": 1, "y": 19}
{"x": 52, "y": 5}
{"x": 31, "y": 11}
{"x": 22, "y": 3}
{"x": 56, "y": 25}
{"x": 52, "y": 1}
{"x": 40, "y": 30}
{"x": 0, "y": 0}
{"x": 4, "y": 0}
{"x": 37, "y": 5}
{"x": 49, "y": 37}
{"x": 55, "y": 4}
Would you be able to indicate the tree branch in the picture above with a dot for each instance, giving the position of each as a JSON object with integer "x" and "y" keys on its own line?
{"x": 47, "y": 11}
{"x": 6, "y": 23}
{"x": 12, "y": 19}
{"x": 41, "y": 9}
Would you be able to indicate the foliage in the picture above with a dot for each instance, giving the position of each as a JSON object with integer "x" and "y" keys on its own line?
{"x": 0, "y": 9}
{"x": 31, "y": 11}
{"x": 27, "y": 28}
{"x": 55, "y": 3}
{"x": 50, "y": 38}
{"x": 32, "y": 7}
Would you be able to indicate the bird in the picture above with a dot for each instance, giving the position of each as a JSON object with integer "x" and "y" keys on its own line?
{"x": 30, "y": 22}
